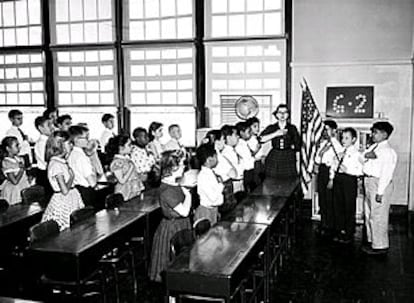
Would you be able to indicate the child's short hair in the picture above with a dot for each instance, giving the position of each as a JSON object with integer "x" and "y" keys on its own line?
{"x": 172, "y": 126}
{"x": 137, "y": 131}
{"x": 350, "y": 130}
{"x": 252, "y": 121}
{"x": 205, "y": 151}
{"x": 113, "y": 145}
{"x": 331, "y": 123}
{"x": 39, "y": 121}
{"x": 228, "y": 130}
{"x": 77, "y": 131}
{"x": 383, "y": 126}
{"x": 13, "y": 113}
{"x": 55, "y": 144}
{"x": 153, "y": 127}
{"x": 242, "y": 126}
{"x": 62, "y": 118}
{"x": 107, "y": 117}
{"x": 169, "y": 160}
{"x": 48, "y": 111}
{"x": 213, "y": 136}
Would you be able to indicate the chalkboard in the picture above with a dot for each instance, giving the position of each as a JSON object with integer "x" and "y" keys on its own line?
{"x": 350, "y": 102}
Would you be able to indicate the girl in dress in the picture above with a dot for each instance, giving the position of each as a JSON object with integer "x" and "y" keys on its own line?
{"x": 175, "y": 203}
{"x": 129, "y": 183}
{"x": 281, "y": 160}
{"x": 14, "y": 170}
{"x": 154, "y": 145}
{"x": 66, "y": 198}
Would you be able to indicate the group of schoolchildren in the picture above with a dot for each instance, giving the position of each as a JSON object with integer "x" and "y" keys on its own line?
{"x": 340, "y": 166}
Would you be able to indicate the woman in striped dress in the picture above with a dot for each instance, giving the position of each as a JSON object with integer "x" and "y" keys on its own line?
{"x": 175, "y": 204}
{"x": 281, "y": 160}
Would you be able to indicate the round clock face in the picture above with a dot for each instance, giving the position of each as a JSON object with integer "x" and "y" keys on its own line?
{"x": 350, "y": 102}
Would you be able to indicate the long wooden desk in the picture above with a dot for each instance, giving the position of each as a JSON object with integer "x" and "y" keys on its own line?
{"x": 277, "y": 187}
{"x": 15, "y": 300}
{"x": 217, "y": 262}
{"x": 75, "y": 252}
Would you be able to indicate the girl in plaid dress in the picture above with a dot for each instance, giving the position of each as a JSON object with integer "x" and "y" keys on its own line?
{"x": 281, "y": 160}
{"x": 66, "y": 197}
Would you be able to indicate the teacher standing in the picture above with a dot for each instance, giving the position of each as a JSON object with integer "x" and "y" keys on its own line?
{"x": 281, "y": 160}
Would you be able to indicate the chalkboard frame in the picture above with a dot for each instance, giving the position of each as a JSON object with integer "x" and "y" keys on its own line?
{"x": 365, "y": 94}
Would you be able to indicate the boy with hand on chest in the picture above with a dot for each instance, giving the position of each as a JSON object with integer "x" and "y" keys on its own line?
{"x": 247, "y": 159}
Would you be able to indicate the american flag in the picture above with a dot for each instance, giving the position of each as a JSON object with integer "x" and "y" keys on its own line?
{"x": 312, "y": 128}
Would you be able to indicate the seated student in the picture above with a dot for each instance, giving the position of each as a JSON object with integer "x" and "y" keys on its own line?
{"x": 209, "y": 185}
{"x": 14, "y": 169}
{"x": 128, "y": 182}
{"x": 80, "y": 163}
{"x": 52, "y": 114}
{"x": 175, "y": 202}
{"x": 64, "y": 122}
{"x": 155, "y": 134}
{"x": 380, "y": 161}
{"x": 143, "y": 160}
{"x": 242, "y": 148}
{"x": 229, "y": 152}
{"x": 45, "y": 128}
{"x": 66, "y": 198}
{"x": 174, "y": 131}
{"x": 16, "y": 119}
{"x": 256, "y": 148}
{"x": 343, "y": 179}
{"x": 108, "y": 120}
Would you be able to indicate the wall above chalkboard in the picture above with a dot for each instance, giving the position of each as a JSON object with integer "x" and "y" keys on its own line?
{"x": 350, "y": 102}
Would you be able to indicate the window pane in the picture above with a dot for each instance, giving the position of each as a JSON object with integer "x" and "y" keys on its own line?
{"x": 82, "y": 21}
{"x": 152, "y": 76}
{"x": 244, "y": 68}
{"x": 158, "y": 19}
{"x": 19, "y": 23}
{"x": 85, "y": 77}
{"x": 236, "y": 18}
{"x": 21, "y": 79}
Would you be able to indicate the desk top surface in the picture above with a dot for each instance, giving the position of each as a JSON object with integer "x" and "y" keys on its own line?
{"x": 220, "y": 251}
{"x": 257, "y": 209}
{"x": 19, "y": 212}
{"x": 88, "y": 233}
{"x": 15, "y": 300}
{"x": 277, "y": 187}
{"x": 148, "y": 204}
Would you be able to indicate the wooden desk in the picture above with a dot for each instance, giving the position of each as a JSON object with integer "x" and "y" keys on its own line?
{"x": 15, "y": 300}
{"x": 277, "y": 187}
{"x": 217, "y": 262}
{"x": 75, "y": 252}
{"x": 16, "y": 221}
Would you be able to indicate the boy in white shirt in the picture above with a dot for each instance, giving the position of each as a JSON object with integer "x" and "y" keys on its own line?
{"x": 175, "y": 133}
{"x": 16, "y": 119}
{"x": 344, "y": 181}
{"x": 45, "y": 128}
{"x": 209, "y": 185}
{"x": 108, "y": 121}
{"x": 256, "y": 149}
{"x": 80, "y": 163}
{"x": 328, "y": 151}
{"x": 229, "y": 152}
{"x": 242, "y": 148}
{"x": 64, "y": 122}
{"x": 380, "y": 161}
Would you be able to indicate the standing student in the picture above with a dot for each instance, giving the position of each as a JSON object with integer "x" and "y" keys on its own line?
{"x": 281, "y": 160}
{"x": 52, "y": 114}
{"x": 108, "y": 121}
{"x": 45, "y": 128}
{"x": 174, "y": 131}
{"x": 175, "y": 202}
{"x": 242, "y": 148}
{"x": 64, "y": 122}
{"x": 80, "y": 163}
{"x": 380, "y": 161}
{"x": 128, "y": 182}
{"x": 144, "y": 161}
{"x": 66, "y": 198}
{"x": 155, "y": 134}
{"x": 328, "y": 151}
{"x": 229, "y": 152}
{"x": 14, "y": 169}
{"x": 209, "y": 185}
{"x": 16, "y": 119}
{"x": 256, "y": 149}
{"x": 343, "y": 179}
